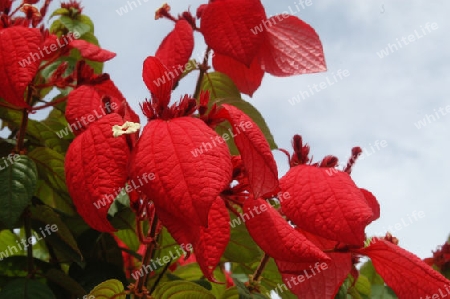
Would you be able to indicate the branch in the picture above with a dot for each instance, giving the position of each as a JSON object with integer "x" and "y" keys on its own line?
{"x": 203, "y": 68}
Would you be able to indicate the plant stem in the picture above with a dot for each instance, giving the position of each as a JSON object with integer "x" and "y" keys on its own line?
{"x": 23, "y": 125}
{"x": 261, "y": 267}
{"x": 203, "y": 69}
{"x": 27, "y": 224}
{"x": 149, "y": 252}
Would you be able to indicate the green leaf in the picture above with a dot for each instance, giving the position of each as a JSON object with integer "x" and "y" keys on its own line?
{"x": 64, "y": 281}
{"x": 8, "y": 245}
{"x": 62, "y": 239}
{"x": 241, "y": 248}
{"x": 54, "y": 199}
{"x": 372, "y": 276}
{"x": 181, "y": 290}
{"x": 192, "y": 272}
{"x": 219, "y": 86}
{"x": 363, "y": 285}
{"x": 129, "y": 237}
{"x": 382, "y": 292}
{"x": 57, "y": 27}
{"x": 109, "y": 289}
{"x": 75, "y": 25}
{"x": 24, "y": 288}
{"x": 231, "y": 293}
{"x": 123, "y": 219}
{"x": 17, "y": 185}
{"x": 121, "y": 202}
{"x": 50, "y": 167}
{"x": 271, "y": 278}
{"x": 244, "y": 293}
{"x": 39, "y": 132}
{"x": 60, "y": 12}
{"x": 86, "y": 20}
{"x": 12, "y": 117}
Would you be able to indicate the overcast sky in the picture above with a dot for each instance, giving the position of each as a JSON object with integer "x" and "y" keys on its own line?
{"x": 380, "y": 101}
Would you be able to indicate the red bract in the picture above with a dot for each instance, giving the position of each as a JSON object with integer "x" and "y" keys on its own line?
{"x": 209, "y": 243}
{"x": 91, "y": 51}
{"x": 331, "y": 206}
{"x": 191, "y": 166}
{"x": 247, "y": 80}
{"x": 20, "y": 56}
{"x": 255, "y": 151}
{"x": 85, "y": 106}
{"x": 88, "y": 103}
{"x": 317, "y": 280}
{"x": 227, "y": 28}
{"x": 159, "y": 83}
{"x": 176, "y": 49}
{"x": 405, "y": 273}
{"x": 373, "y": 203}
{"x": 213, "y": 239}
{"x": 277, "y": 237}
{"x": 291, "y": 47}
{"x": 95, "y": 167}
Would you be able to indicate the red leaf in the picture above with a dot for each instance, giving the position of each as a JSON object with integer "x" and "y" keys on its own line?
{"x": 255, "y": 151}
{"x": 209, "y": 243}
{"x": 213, "y": 239}
{"x": 291, "y": 47}
{"x": 108, "y": 88}
{"x": 317, "y": 280}
{"x": 190, "y": 168}
{"x": 20, "y": 57}
{"x": 176, "y": 48}
{"x": 156, "y": 77}
{"x": 331, "y": 206}
{"x": 276, "y": 236}
{"x": 405, "y": 273}
{"x": 91, "y": 51}
{"x": 372, "y": 202}
{"x": 85, "y": 106}
{"x": 184, "y": 232}
{"x": 95, "y": 167}
{"x": 229, "y": 26}
{"x": 246, "y": 79}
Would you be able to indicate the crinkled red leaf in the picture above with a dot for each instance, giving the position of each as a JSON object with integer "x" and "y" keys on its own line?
{"x": 190, "y": 168}
{"x": 330, "y": 206}
{"x": 84, "y": 107}
{"x": 255, "y": 151}
{"x": 291, "y": 47}
{"x": 176, "y": 48}
{"x": 209, "y": 243}
{"x": 318, "y": 280}
{"x": 91, "y": 51}
{"x": 276, "y": 236}
{"x": 405, "y": 273}
{"x": 246, "y": 79}
{"x": 213, "y": 239}
{"x": 373, "y": 203}
{"x": 96, "y": 169}
{"x": 20, "y": 57}
{"x": 108, "y": 88}
{"x": 158, "y": 80}
{"x": 182, "y": 231}
{"x": 229, "y": 28}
